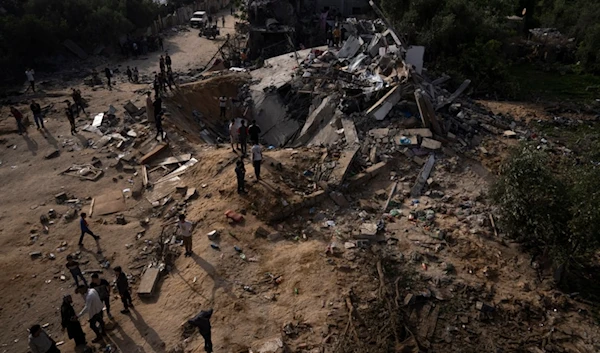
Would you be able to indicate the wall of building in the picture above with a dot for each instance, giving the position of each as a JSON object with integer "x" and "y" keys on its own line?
{"x": 345, "y": 7}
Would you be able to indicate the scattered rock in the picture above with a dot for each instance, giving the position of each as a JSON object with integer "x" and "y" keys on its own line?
{"x": 52, "y": 154}
{"x": 60, "y": 197}
{"x": 120, "y": 219}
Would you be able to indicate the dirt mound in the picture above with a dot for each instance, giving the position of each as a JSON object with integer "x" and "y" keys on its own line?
{"x": 195, "y": 107}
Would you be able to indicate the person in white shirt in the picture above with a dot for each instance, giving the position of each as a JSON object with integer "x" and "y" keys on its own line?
{"x": 185, "y": 230}
{"x": 222, "y": 106}
{"x": 256, "y": 152}
{"x": 93, "y": 306}
{"x": 233, "y": 135}
{"x": 29, "y": 73}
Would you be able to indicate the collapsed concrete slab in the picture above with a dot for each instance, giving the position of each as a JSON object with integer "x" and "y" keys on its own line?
{"x": 323, "y": 112}
{"x": 383, "y": 106}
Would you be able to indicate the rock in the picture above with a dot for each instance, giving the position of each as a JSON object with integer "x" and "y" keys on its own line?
{"x": 120, "y": 219}
{"x": 271, "y": 345}
{"x": 369, "y": 229}
{"x": 261, "y": 232}
{"x": 275, "y": 236}
{"x": 52, "y": 154}
{"x": 70, "y": 214}
{"x": 60, "y": 197}
{"x": 409, "y": 299}
{"x": 339, "y": 199}
{"x": 212, "y": 235}
{"x": 34, "y": 254}
{"x": 484, "y": 308}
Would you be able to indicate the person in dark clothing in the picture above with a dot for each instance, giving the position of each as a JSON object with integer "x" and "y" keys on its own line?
{"x": 129, "y": 74}
{"x": 223, "y": 21}
{"x": 73, "y": 267}
{"x": 160, "y": 43}
{"x": 70, "y": 322}
{"x": 243, "y": 137}
{"x": 156, "y": 86}
{"x": 202, "y": 322}
{"x": 103, "y": 288}
{"x": 162, "y": 81}
{"x": 86, "y": 230}
{"x": 161, "y": 63}
{"x": 170, "y": 78}
{"x": 37, "y": 114}
{"x": 40, "y": 342}
{"x": 168, "y": 61}
{"x": 78, "y": 101}
{"x": 71, "y": 117}
{"x": 210, "y": 19}
{"x": 240, "y": 172}
{"x": 158, "y": 123}
{"x": 254, "y": 132}
{"x": 19, "y": 117}
{"x": 108, "y": 75}
{"x": 123, "y": 288}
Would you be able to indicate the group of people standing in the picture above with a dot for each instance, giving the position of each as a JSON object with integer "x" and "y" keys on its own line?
{"x": 165, "y": 77}
{"x": 239, "y": 139}
{"x": 96, "y": 296}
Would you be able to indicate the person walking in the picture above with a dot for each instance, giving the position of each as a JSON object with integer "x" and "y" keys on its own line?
{"x": 254, "y": 132}
{"x": 149, "y": 106}
{"x": 73, "y": 267}
{"x": 222, "y": 106}
{"x": 160, "y": 43}
{"x": 37, "y": 114}
{"x": 129, "y": 74}
{"x": 243, "y": 137}
{"x": 169, "y": 78}
{"x": 168, "y": 60}
{"x": 31, "y": 79}
{"x": 158, "y": 114}
{"x": 240, "y": 172}
{"x": 256, "y": 152}
{"x": 233, "y": 135}
{"x": 93, "y": 306}
{"x": 231, "y": 10}
{"x": 103, "y": 288}
{"x": 135, "y": 50}
{"x": 78, "y": 101}
{"x": 70, "y": 322}
{"x": 223, "y": 21}
{"x": 185, "y": 230}
{"x": 71, "y": 117}
{"x": 19, "y": 118}
{"x": 136, "y": 75}
{"x": 108, "y": 74}
{"x": 202, "y": 322}
{"x": 162, "y": 81}
{"x": 85, "y": 229}
{"x": 156, "y": 85}
{"x": 123, "y": 288}
{"x": 40, "y": 342}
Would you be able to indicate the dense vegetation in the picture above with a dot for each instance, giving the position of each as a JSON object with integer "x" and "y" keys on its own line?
{"x": 553, "y": 210}
{"x": 469, "y": 38}
{"x": 33, "y": 30}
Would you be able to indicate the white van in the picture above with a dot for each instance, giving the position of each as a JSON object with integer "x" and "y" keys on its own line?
{"x": 199, "y": 19}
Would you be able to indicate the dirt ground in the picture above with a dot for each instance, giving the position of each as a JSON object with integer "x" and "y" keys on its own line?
{"x": 309, "y": 305}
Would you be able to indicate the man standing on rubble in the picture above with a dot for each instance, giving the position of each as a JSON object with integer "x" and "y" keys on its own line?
{"x": 202, "y": 322}
{"x": 103, "y": 288}
{"x": 243, "y": 137}
{"x": 233, "y": 135}
{"x": 254, "y": 132}
{"x": 256, "y": 152}
{"x": 156, "y": 85}
{"x": 71, "y": 117}
{"x": 108, "y": 74}
{"x": 78, "y": 101}
{"x": 123, "y": 288}
{"x": 37, "y": 115}
{"x": 240, "y": 173}
{"x": 161, "y": 64}
{"x": 184, "y": 227}
{"x": 337, "y": 34}
{"x": 129, "y": 74}
{"x": 93, "y": 306}
{"x": 29, "y": 73}
{"x": 158, "y": 116}
{"x": 222, "y": 106}
{"x": 168, "y": 60}
{"x": 19, "y": 118}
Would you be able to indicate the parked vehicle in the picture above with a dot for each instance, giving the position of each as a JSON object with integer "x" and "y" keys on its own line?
{"x": 199, "y": 19}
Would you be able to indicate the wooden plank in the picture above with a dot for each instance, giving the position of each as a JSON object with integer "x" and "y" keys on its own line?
{"x": 148, "y": 282}
{"x": 350, "y": 131}
{"x": 144, "y": 175}
{"x": 343, "y": 164}
{"x": 153, "y": 152}
{"x": 172, "y": 160}
{"x": 110, "y": 202}
{"x": 178, "y": 171}
{"x": 91, "y": 212}
{"x": 423, "y": 176}
{"x": 392, "y": 192}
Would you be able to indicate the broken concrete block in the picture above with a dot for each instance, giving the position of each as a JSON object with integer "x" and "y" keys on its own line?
{"x": 408, "y": 153}
{"x": 373, "y": 155}
{"x": 52, "y": 154}
{"x": 60, "y": 197}
{"x": 271, "y": 345}
{"x": 120, "y": 219}
{"x": 379, "y": 133}
{"x": 484, "y": 308}
{"x": 369, "y": 229}
{"x": 275, "y": 236}
{"x": 339, "y": 199}
{"x": 419, "y": 160}
{"x": 417, "y": 132}
{"x": 213, "y": 235}
{"x": 409, "y": 299}
{"x": 35, "y": 254}
{"x": 509, "y": 134}
{"x": 431, "y": 144}
{"x": 131, "y": 108}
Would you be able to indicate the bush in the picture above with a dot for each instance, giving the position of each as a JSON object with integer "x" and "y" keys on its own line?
{"x": 550, "y": 210}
